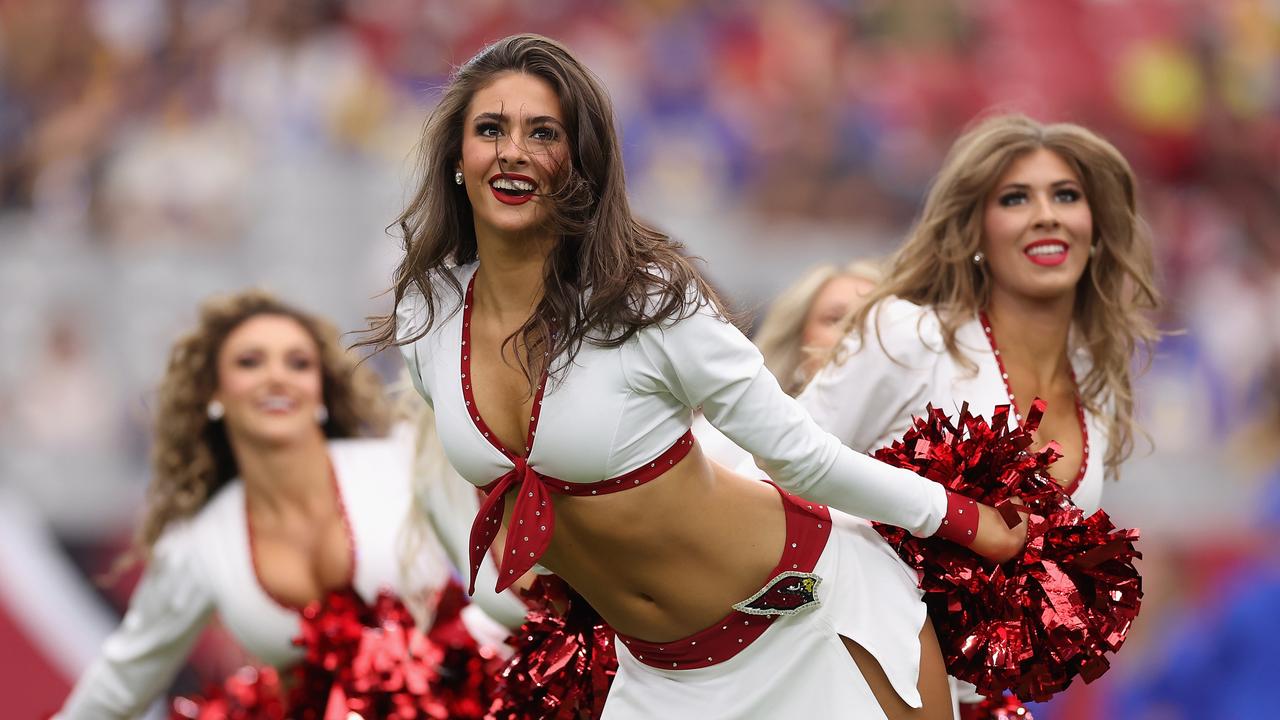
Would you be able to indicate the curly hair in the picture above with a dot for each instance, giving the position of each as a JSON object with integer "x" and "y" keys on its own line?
{"x": 1114, "y": 298}
{"x": 609, "y": 275}
{"x": 191, "y": 457}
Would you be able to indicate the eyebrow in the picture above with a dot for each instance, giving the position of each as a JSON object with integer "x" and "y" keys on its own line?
{"x": 1024, "y": 186}
{"x": 258, "y": 347}
{"x": 502, "y": 118}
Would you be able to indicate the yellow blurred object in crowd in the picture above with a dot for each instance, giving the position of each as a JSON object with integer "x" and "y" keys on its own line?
{"x": 1160, "y": 88}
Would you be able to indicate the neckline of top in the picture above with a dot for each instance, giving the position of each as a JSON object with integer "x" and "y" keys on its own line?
{"x": 1008, "y": 389}
{"x": 468, "y": 396}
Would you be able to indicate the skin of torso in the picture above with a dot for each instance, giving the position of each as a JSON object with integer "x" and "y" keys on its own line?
{"x": 1061, "y": 423}
{"x": 300, "y": 558}
{"x": 662, "y": 560}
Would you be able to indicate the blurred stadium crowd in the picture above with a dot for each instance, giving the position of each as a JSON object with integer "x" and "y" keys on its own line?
{"x": 155, "y": 151}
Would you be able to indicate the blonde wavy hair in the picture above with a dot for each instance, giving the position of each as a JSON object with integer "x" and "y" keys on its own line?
{"x": 418, "y": 537}
{"x": 191, "y": 457}
{"x": 1115, "y": 297}
{"x": 780, "y": 336}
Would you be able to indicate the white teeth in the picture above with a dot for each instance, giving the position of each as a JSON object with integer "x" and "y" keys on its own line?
{"x": 510, "y": 184}
{"x": 1053, "y": 249}
{"x": 276, "y": 403}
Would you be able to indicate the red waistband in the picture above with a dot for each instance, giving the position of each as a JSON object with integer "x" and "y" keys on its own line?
{"x": 533, "y": 519}
{"x": 808, "y": 527}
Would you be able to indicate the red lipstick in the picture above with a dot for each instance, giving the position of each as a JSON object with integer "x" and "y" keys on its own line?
{"x": 1047, "y": 252}
{"x": 513, "y": 188}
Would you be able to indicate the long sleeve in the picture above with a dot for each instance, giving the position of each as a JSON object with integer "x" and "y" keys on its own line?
{"x": 882, "y": 379}
{"x": 168, "y": 610}
{"x": 703, "y": 361}
{"x": 410, "y": 318}
{"x": 868, "y": 397}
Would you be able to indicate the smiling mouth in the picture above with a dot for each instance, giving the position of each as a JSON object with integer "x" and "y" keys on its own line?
{"x": 277, "y": 405}
{"x": 1047, "y": 252}
{"x": 513, "y": 189}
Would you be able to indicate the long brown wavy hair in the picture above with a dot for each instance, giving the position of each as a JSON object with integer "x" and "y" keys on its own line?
{"x": 1115, "y": 297}
{"x": 608, "y": 276}
{"x": 191, "y": 457}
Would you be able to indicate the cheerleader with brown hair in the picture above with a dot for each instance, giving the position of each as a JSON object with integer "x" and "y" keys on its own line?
{"x": 564, "y": 347}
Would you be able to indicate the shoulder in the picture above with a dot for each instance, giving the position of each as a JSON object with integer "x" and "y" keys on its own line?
{"x": 221, "y": 514}
{"x": 378, "y": 469}
{"x": 373, "y": 457}
{"x": 1081, "y": 358}
{"x": 178, "y": 549}
{"x": 447, "y": 286}
{"x": 899, "y": 329}
{"x": 662, "y": 298}
{"x": 1082, "y": 364}
{"x": 695, "y": 322}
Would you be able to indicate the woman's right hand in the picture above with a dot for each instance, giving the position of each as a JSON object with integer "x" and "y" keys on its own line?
{"x": 994, "y": 539}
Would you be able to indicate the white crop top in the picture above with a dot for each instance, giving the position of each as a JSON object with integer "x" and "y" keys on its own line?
{"x": 204, "y": 564}
{"x": 618, "y": 409}
{"x": 869, "y": 399}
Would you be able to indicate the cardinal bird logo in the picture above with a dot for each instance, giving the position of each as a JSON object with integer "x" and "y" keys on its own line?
{"x": 787, "y": 594}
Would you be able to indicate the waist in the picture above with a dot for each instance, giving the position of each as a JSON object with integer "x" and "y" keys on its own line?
{"x": 789, "y": 588}
{"x": 532, "y": 521}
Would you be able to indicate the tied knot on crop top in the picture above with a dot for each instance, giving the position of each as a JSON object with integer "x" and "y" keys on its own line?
{"x": 533, "y": 518}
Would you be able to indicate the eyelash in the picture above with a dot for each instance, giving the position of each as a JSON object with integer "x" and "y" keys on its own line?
{"x": 484, "y": 130}
{"x": 1068, "y": 195}
{"x": 252, "y": 361}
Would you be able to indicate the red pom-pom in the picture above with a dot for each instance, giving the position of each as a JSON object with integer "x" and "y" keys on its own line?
{"x": 370, "y": 660}
{"x": 250, "y": 693}
{"x": 1033, "y": 623}
{"x": 367, "y": 660}
{"x": 466, "y": 674}
{"x": 1008, "y": 707}
{"x": 564, "y": 659}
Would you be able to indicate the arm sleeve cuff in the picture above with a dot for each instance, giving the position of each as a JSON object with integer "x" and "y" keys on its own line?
{"x": 961, "y": 521}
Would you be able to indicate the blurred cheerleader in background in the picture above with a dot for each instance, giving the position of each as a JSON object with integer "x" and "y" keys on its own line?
{"x": 273, "y": 490}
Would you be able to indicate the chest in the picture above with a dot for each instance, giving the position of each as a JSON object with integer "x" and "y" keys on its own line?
{"x": 497, "y": 382}
{"x": 297, "y": 560}
{"x": 1064, "y": 422}
{"x": 259, "y": 581}
{"x": 590, "y": 425}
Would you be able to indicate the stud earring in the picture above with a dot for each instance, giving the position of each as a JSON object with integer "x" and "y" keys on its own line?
{"x": 322, "y": 414}
{"x": 457, "y": 177}
{"x": 1093, "y": 249}
{"x": 978, "y": 257}
{"x": 215, "y": 410}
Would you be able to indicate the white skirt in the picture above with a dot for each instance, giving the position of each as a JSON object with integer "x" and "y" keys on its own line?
{"x": 799, "y": 667}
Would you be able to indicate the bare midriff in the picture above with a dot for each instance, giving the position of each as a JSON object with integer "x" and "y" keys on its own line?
{"x": 667, "y": 558}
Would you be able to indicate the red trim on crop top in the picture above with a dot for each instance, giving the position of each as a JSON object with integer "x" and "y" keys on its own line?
{"x": 533, "y": 519}
{"x": 1004, "y": 376}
